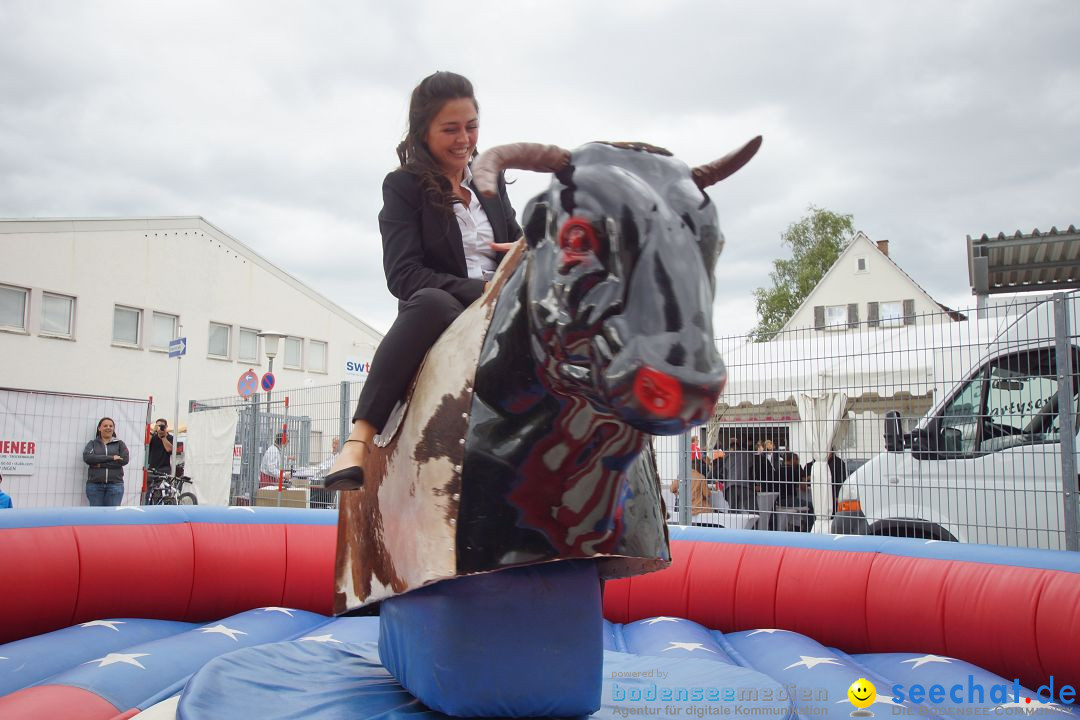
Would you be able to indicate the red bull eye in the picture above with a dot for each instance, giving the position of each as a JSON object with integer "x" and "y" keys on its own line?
{"x": 577, "y": 237}
{"x": 658, "y": 392}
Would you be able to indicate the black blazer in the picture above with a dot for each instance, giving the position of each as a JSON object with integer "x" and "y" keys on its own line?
{"x": 422, "y": 245}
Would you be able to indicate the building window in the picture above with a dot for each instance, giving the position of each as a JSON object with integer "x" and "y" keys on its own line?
{"x": 163, "y": 330}
{"x": 860, "y": 265}
{"x": 13, "y": 301}
{"x": 219, "y": 340}
{"x": 891, "y": 314}
{"x": 317, "y": 356}
{"x": 57, "y": 313}
{"x": 294, "y": 353}
{"x": 836, "y": 315}
{"x": 248, "y": 349}
{"x": 126, "y": 323}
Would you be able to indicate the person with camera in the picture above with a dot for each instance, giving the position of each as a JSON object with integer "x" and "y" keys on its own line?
{"x": 159, "y": 454}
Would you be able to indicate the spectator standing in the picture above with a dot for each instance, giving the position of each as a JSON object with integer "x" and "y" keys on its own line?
{"x": 319, "y": 496}
{"x": 270, "y": 465}
{"x": 838, "y": 473}
{"x": 5, "y": 499}
{"x": 105, "y": 457}
{"x": 738, "y": 480}
{"x": 767, "y": 467}
{"x": 159, "y": 453}
{"x": 697, "y": 458}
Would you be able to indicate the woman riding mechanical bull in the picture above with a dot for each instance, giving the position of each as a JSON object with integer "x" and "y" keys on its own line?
{"x": 541, "y": 366}
{"x": 503, "y": 421}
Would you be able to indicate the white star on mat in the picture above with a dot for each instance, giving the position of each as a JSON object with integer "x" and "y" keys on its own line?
{"x": 920, "y": 661}
{"x": 327, "y": 638}
{"x": 111, "y": 624}
{"x": 242, "y": 507}
{"x": 220, "y": 629}
{"x": 114, "y": 658}
{"x": 688, "y": 646}
{"x": 284, "y": 611}
{"x": 662, "y": 618}
{"x": 770, "y": 631}
{"x": 129, "y": 507}
{"x": 2, "y": 657}
{"x": 811, "y": 662}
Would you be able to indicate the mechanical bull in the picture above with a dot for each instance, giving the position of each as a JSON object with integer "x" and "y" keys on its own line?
{"x": 521, "y": 439}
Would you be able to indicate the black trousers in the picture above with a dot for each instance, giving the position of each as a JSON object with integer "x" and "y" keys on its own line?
{"x": 421, "y": 320}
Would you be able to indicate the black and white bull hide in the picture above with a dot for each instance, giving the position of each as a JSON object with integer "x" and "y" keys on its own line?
{"x": 521, "y": 439}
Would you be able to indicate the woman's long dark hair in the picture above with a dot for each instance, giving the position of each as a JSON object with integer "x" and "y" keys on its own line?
{"x": 427, "y": 100}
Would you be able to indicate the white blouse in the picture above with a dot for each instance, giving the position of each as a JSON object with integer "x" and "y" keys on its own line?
{"x": 476, "y": 234}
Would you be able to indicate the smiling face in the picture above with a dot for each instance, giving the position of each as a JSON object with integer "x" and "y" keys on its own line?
{"x": 862, "y": 693}
{"x": 106, "y": 428}
{"x": 451, "y": 136}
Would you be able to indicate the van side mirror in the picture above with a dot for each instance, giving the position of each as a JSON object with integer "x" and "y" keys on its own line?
{"x": 952, "y": 440}
{"x": 894, "y": 432}
{"x": 926, "y": 441}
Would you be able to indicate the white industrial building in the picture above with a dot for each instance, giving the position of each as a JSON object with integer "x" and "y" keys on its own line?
{"x": 90, "y": 306}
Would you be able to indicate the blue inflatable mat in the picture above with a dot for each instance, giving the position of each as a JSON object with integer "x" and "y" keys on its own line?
{"x": 320, "y": 681}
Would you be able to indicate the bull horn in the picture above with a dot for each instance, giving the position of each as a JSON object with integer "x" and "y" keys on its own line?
{"x": 717, "y": 170}
{"x": 520, "y": 156}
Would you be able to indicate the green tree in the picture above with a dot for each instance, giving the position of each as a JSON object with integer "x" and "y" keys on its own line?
{"x": 816, "y": 241}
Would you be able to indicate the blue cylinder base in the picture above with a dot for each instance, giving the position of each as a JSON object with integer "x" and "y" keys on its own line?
{"x": 524, "y": 642}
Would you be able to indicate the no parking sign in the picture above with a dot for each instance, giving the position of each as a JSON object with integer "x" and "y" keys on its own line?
{"x": 248, "y": 384}
{"x": 267, "y": 382}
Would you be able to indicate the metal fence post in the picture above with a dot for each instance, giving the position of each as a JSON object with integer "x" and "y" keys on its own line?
{"x": 253, "y": 466}
{"x": 344, "y": 414}
{"x": 685, "y": 518}
{"x": 1066, "y": 409}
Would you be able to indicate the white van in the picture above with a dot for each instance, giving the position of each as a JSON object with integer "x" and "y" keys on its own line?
{"x": 984, "y": 464}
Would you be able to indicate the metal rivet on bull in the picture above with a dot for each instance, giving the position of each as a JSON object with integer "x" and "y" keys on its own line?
{"x": 456, "y": 496}
{"x": 453, "y": 521}
{"x": 464, "y": 416}
{"x": 457, "y": 468}
{"x": 461, "y": 441}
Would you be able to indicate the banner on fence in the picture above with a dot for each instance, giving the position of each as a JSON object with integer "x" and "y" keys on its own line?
{"x": 17, "y": 457}
{"x": 42, "y": 436}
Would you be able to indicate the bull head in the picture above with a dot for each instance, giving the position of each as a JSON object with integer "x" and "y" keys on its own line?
{"x": 623, "y": 246}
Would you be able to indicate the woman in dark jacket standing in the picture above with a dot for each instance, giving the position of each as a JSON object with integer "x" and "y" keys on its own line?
{"x": 105, "y": 455}
{"x": 441, "y": 244}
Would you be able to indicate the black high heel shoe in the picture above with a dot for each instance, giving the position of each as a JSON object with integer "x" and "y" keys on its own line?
{"x": 349, "y": 478}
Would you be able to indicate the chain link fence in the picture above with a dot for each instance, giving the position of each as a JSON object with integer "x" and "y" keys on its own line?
{"x": 956, "y": 425}
{"x": 945, "y": 426}
{"x": 314, "y": 420}
{"x": 42, "y": 437}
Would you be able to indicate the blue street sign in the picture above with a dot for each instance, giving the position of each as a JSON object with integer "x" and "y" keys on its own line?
{"x": 177, "y": 347}
{"x": 267, "y": 381}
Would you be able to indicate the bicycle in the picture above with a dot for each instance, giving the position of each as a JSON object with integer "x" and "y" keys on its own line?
{"x": 165, "y": 489}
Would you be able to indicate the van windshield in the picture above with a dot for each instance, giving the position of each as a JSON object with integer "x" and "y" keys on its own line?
{"x": 1011, "y": 401}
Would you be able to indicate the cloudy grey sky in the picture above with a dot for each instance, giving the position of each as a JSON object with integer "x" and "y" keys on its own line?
{"x": 276, "y": 121}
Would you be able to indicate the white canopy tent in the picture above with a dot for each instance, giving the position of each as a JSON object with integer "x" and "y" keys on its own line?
{"x": 826, "y": 374}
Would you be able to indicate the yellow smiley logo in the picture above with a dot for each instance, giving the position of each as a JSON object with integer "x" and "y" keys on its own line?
{"x": 862, "y": 693}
